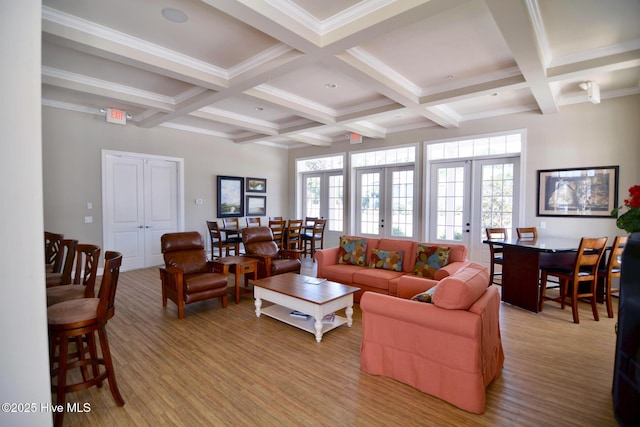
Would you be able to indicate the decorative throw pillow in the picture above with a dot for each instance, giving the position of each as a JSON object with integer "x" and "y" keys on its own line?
{"x": 429, "y": 259}
{"x": 426, "y": 296}
{"x": 387, "y": 260}
{"x": 352, "y": 251}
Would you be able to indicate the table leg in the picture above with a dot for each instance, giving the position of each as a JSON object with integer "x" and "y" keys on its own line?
{"x": 258, "y": 305}
{"x": 318, "y": 326}
{"x": 237, "y": 285}
{"x": 349, "y": 312}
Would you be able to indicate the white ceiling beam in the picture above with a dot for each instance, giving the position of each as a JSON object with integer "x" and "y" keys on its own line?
{"x": 515, "y": 22}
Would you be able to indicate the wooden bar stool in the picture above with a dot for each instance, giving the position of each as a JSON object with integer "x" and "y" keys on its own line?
{"x": 79, "y": 320}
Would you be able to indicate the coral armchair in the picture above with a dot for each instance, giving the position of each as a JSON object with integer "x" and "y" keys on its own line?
{"x": 187, "y": 276}
{"x": 258, "y": 243}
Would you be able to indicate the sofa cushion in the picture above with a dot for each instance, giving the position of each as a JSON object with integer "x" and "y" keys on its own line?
{"x": 408, "y": 246}
{"x": 352, "y": 251}
{"x": 386, "y": 260}
{"x": 429, "y": 259}
{"x": 375, "y": 278}
{"x": 426, "y": 296}
{"x": 460, "y": 291}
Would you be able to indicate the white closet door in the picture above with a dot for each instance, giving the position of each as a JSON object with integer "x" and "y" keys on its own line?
{"x": 140, "y": 203}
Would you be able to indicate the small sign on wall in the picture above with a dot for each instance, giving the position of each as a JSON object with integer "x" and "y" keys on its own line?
{"x": 116, "y": 116}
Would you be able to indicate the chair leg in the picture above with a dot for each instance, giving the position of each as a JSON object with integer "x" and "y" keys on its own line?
{"x": 63, "y": 350}
{"x": 106, "y": 356}
{"x": 543, "y": 289}
{"x": 574, "y": 302}
{"x": 594, "y": 306}
{"x": 607, "y": 293}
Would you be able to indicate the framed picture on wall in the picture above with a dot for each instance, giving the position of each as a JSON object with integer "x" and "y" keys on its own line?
{"x": 256, "y": 205}
{"x": 578, "y": 192}
{"x": 230, "y": 196}
{"x": 256, "y": 185}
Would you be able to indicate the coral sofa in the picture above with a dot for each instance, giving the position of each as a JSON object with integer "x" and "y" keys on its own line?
{"x": 449, "y": 348}
{"x": 340, "y": 264}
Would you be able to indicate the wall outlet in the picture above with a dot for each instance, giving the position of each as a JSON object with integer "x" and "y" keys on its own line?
{"x": 543, "y": 224}
{"x": 88, "y": 219}
{"x": 89, "y": 205}
{"x": 199, "y": 201}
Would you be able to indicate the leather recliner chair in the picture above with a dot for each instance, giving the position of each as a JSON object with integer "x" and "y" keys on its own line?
{"x": 258, "y": 243}
{"x": 188, "y": 276}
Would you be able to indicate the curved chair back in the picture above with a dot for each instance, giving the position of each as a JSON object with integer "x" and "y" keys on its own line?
{"x": 184, "y": 250}
{"x": 86, "y": 270}
{"x": 259, "y": 241}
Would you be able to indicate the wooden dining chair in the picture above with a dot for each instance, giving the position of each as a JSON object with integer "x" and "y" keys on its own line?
{"x": 294, "y": 230}
{"x": 231, "y": 230}
{"x": 275, "y": 218}
{"x": 611, "y": 270}
{"x": 314, "y": 239}
{"x": 527, "y": 233}
{"x": 278, "y": 229}
{"x": 254, "y": 222}
{"x": 577, "y": 281}
{"x": 496, "y": 252}
{"x": 219, "y": 243}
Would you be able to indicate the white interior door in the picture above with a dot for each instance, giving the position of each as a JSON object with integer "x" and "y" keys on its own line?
{"x": 141, "y": 201}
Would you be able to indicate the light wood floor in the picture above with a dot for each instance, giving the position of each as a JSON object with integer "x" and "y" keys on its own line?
{"x": 225, "y": 367}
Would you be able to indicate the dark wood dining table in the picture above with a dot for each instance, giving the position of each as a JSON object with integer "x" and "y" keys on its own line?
{"x": 522, "y": 260}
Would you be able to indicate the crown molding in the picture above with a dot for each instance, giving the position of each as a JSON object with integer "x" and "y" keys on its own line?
{"x": 105, "y": 85}
{"x": 322, "y": 27}
{"x": 105, "y": 33}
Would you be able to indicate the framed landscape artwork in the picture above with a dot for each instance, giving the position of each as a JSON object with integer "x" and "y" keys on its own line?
{"x": 578, "y": 192}
{"x": 230, "y": 196}
{"x": 256, "y": 205}
{"x": 256, "y": 185}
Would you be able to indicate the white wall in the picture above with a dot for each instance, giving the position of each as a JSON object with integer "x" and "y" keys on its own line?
{"x": 581, "y": 135}
{"x": 24, "y": 362}
{"x": 72, "y": 144}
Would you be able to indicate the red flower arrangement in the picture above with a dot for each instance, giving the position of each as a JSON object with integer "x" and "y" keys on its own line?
{"x": 630, "y": 220}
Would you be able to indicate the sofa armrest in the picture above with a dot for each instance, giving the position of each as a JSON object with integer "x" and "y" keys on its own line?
{"x": 218, "y": 267}
{"x": 326, "y": 257}
{"x": 410, "y": 285}
{"x": 450, "y": 269}
{"x": 291, "y": 253}
{"x": 172, "y": 280}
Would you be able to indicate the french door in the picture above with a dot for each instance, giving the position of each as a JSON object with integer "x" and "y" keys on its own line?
{"x": 468, "y": 196}
{"x": 384, "y": 200}
{"x": 141, "y": 201}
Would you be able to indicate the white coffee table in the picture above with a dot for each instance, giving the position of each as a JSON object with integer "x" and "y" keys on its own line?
{"x": 314, "y": 297}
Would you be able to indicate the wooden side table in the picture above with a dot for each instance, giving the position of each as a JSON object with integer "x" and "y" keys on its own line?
{"x": 239, "y": 265}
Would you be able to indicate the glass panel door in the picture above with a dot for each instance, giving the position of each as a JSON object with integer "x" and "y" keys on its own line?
{"x": 450, "y": 202}
{"x": 385, "y": 201}
{"x": 368, "y": 202}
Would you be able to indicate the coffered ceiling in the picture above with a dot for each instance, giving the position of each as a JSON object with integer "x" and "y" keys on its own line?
{"x": 290, "y": 73}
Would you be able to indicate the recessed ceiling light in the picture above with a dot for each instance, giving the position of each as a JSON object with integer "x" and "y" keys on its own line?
{"x": 450, "y": 76}
{"x": 259, "y": 108}
{"x": 331, "y": 85}
{"x": 174, "y": 15}
{"x": 495, "y": 94}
